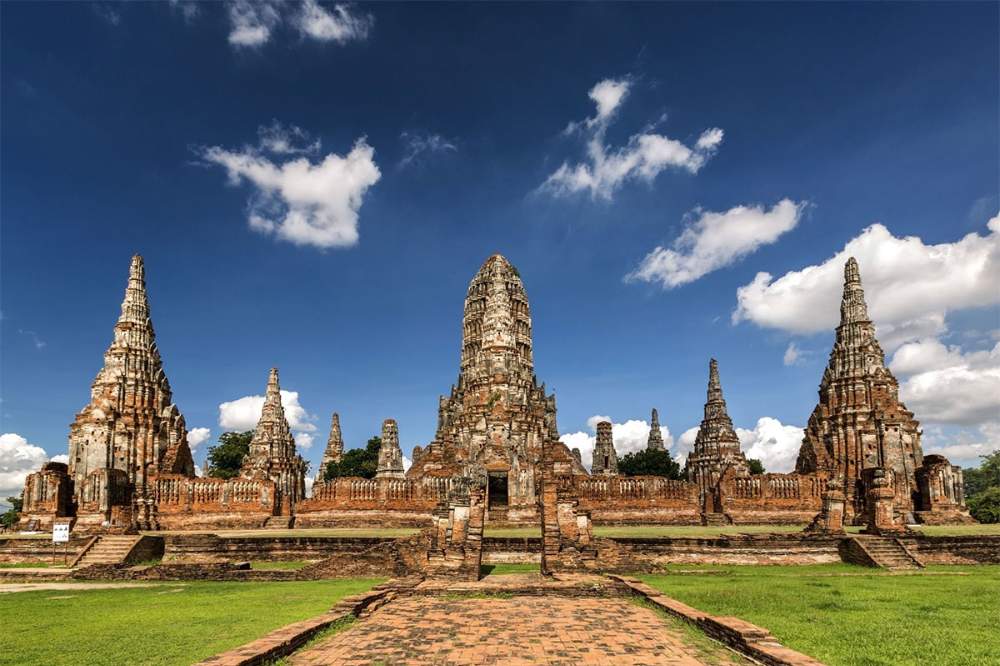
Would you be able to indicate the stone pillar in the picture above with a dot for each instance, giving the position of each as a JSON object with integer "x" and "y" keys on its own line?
{"x": 456, "y": 536}
{"x": 880, "y": 509}
{"x": 830, "y": 520}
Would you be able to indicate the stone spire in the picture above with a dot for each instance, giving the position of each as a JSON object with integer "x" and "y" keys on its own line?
{"x": 131, "y": 423}
{"x": 716, "y": 447}
{"x": 655, "y": 441}
{"x": 334, "y": 447}
{"x": 272, "y": 450}
{"x": 497, "y": 416}
{"x": 390, "y": 457}
{"x": 605, "y": 461}
{"x": 859, "y": 422}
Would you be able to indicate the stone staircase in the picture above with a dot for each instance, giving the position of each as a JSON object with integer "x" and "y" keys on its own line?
{"x": 716, "y": 519}
{"x": 889, "y": 553}
{"x": 108, "y": 549}
{"x": 279, "y": 523}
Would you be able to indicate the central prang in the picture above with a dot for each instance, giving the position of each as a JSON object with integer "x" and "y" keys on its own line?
{"x": 497, "y": 417}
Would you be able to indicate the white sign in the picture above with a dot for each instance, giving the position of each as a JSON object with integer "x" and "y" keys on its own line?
{"x": 60, "y": 533}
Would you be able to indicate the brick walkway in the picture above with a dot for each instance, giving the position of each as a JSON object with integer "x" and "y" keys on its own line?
{"x": 516, "y": 630}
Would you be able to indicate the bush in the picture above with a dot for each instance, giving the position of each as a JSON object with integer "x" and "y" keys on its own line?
{"x": 985, "y": 506}
{"x": 649, "y": 462}
{"x": 356, "y": 462}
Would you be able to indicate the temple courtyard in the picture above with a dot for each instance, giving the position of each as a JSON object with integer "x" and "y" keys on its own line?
{"x": 835, "y": 613}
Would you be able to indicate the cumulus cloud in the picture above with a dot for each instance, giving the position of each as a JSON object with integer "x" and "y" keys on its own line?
{"x": 713, "y": 240}
{"x": 62, "y": 458}
{"x": 18, "y": 459}
{"x": 252, "y": 23}
{"x": 643, "y": 156}
{"x": 303, "y": 440}
{"x": 198, "y": 436}
{"x": 295, "y": 199}
{"x": 406, "y": 463}
{"x": 341, "y": 25}
{"x": 417, "y": 146}
{"x": 910, "y": 286}
{"x": 966, "y": 447}
{"x": 107, "y": 13}
{"x": 942, "y": 384}
{"x": 629, "y": 437}
{"x": 242, "y": 414}
{"x": 775, "y": 444}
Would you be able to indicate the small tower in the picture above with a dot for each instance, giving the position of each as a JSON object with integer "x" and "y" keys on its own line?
{"x": 390, "y": 457}
{"x": 334, "y": 447}
{"x": 716, "y": 448}
{"x": 272, "y": 451}
{"x": 605, "y": 460}
{"x": 655, "y": 441}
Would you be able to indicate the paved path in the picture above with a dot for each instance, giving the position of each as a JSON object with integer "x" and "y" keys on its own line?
{"x": 516, "y": 630}
{"x": 8, "y": 588}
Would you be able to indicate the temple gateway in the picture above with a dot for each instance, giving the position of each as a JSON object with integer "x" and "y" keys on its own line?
{"x": 130, "y": 466}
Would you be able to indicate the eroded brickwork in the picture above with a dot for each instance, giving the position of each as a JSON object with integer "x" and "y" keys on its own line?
{"x": 716, "y": 448}
{"x": 334, "y": 450}
{"x": 605, "y": 461}
{"x": 272, "y": 453}
{"x": 390, "y": 456}
{"x": 655, "y": 440}
{"x": 497, "y": 416}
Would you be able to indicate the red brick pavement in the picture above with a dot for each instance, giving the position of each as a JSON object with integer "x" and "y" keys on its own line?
{"x": 516, "y": 630}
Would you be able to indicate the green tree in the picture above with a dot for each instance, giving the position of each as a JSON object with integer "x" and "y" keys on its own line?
{"x": 756, "y": 466}
{"x": 10, "y": 516}
{"x": 985, "y": 505}
{"x": 649, "y": 462}
{"x": 356, "y": 462}
{"x": 986, "y": 476}
{"x": 226, "y": 458}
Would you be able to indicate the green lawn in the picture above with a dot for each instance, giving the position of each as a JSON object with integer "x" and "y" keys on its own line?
{"x": 177, "y": 623}
{"x": 846, "y": 615}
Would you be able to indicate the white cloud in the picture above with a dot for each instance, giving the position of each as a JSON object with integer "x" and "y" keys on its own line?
{"x": 62, "y": 458}
{"x": 198, "y": 471}
{"x": 715, "y": 240}
{"x": 198, "y": 436}
{"x": 685, "y": 445}
{"x": 340, "y": 25}
{"x": 944, "y": 385}
{"x": 35, "y": 340}
{"x": 18, "y": 458}
{"x": 643, "y": 157}
{"x": 310, "y": 480}
{"x": 189, "y": 9}
{"x": 252, "y": 22}
{"x": 406, "y": 463}
{"x": 910, "y": 286}
{"x": 966, "y": 447}
{"x": 303, "y": 440}
{"x": 416, "y": 145}
{"x": 629, "y": 437}
{"x": 286, "y": 139}
{"x": 792, "y": 354}
{"x": 776, "y": 445}
{"x": 243, "y": 414}
{"x": 296, "y": 200}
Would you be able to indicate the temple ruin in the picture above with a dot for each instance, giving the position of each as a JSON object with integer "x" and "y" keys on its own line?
{"x": 496, "y": 450}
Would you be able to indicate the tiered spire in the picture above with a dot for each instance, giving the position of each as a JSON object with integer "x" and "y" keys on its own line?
{"x": 655, "y": 440}
{"x": 131, "y": 423}
{"x": 716, "y": 448}
{"x": 390, "y": 456}
{"x": 605, "y": 461}
{"x": 272, "y": 438}
{"x": 859, "y": 422}
{"x": 334, "y": 447}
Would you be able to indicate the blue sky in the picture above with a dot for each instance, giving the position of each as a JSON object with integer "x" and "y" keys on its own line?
{"x": 188, "y": 133}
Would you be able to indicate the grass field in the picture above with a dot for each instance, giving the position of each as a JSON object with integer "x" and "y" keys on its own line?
{"x": 851, "y": 616}
{"x": 178, "y": 623}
